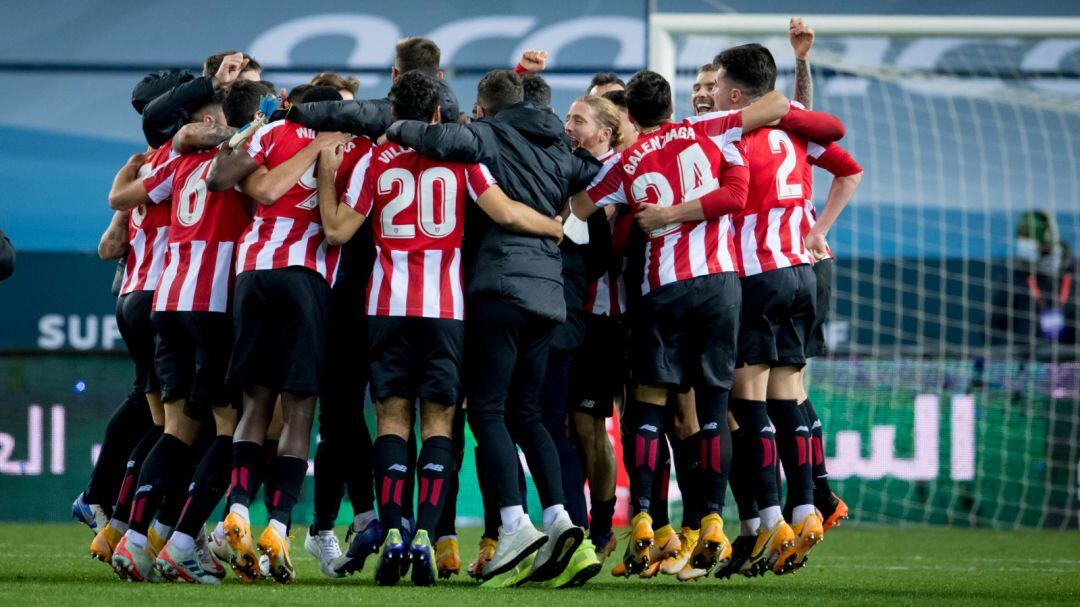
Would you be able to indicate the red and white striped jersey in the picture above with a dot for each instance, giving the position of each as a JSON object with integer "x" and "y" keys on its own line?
{"x": 203, "y": 230}
{"x": 768, "y": 231}
{"x": 835, "y": 160}
{"x": 289, "y": 231}
{"x": 676, "y": 163}
{"x": 148, "y": 231}
{"x": 606, "y": 295}
{"x": 417, "y": 208}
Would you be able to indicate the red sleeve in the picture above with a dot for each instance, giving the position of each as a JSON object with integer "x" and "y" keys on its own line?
{"x": 360, "y": 195}
{"x": 159, "y": 183}
{"x": 833, "y": 159}
{"x": 730, "y": 197}
{"x": 478, "y": 179}
{"x": 816, "y": 126}
{"x": 520, "y": 69}
{"x": 723, "y": 127}
{"x": 260, "y": 143}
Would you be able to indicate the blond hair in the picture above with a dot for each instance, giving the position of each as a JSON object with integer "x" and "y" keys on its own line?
{"x": 336, "y": 81}
{"x": 606, "y": 114}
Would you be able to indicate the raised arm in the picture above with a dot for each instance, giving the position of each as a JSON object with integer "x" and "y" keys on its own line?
{"x": 340, "y": 221}
{"x": 802, "y": 40}
{"x": 267, "y": 185}
{"x": 127, "y": 191}
{"x": 455, "y": 142}
{"x": 514, "y": 216}
{"x": 816, "y": 126}
{"x": 200, "y": 136}
{"x": 367, "y": 117}
{"x": 114, "y": 241}
{"x": 162, "y": 116}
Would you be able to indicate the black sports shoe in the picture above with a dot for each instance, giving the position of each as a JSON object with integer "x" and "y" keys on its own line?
{"x": 741, "y": 549}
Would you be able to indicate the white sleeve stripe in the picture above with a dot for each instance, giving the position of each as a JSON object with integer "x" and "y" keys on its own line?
{"x": 604, "y": 171}
{"x": 709, "y": 116}
{"x": 356, "y": 181}
{"x": 732, "y": 155}
{"x": 162, "y": 191}
{"x": 814, "y": 150}
{"x": 255, "y": 145}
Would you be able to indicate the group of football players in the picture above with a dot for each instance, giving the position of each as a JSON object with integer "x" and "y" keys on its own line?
{"x": 522, "y": 273}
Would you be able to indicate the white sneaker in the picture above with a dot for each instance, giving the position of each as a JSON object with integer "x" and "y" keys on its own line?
{"x": 513, "y": 547}
{"x": 208, "y": 560}
{"x": 325, "y": 548}
{"x": 175, "y": 564}
{"x": 219, "y": 545}
{"x": 563, "y": 538}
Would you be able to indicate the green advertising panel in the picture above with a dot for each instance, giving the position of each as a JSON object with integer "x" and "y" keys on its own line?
{"x": 941, "y": 442}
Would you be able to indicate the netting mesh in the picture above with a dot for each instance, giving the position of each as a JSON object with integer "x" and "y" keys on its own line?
{"x": 948, "y": 395}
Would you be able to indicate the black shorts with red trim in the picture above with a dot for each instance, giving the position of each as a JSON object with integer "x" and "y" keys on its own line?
{"x": 414, "y": 357}
{"x": 684, "y": 333}
{"x": 602, "y": 367}
{"x": 192, "y": 358}
{"x": 779, "y": 309}
{"x": 140, "y": 336}
{"x": 823, "y": 271}
{"x": 280, "y": 319}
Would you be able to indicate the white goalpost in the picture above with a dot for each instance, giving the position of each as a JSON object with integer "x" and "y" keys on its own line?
{"x": 942, "y": 399}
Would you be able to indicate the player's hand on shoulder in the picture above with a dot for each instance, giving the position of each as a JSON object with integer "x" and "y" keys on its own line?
{"x": 330, "y": 157}
{"x": 331, "y": 139}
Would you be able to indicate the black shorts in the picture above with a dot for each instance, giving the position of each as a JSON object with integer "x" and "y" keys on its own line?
{"x": 601, "y": 367}
{"x": 192, "y": 357}
{"x": 280, "y": 319}
{"x": 685, "y": 333}
{"x": 778, "y": 316}
{"x": 139, "y": 333}
{"x": 823, "y": 271}
{"x": 414, "y": 357}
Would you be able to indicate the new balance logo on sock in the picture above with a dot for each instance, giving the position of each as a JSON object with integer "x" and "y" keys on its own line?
{"x": 802, "y": 429}
{"x": 398, "y": 468}
{"x": 815, "y": 425}
{"x": 433, "y": 466}
{"x": 587, "y": 404}
{"x": 649, "y": 427}
{"x": 143, "y": 489}
{"x": 709, "y": 426}
{"x": 769, "y": 428}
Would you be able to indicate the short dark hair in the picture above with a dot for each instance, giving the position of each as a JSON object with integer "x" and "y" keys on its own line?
{"x": 616, "y": 97}
{"x": 242, "y": 101}
{"x": 414, "y": 96}
{"x": 536, "y": 91}
{"x": 417, "y": 54}
{"x": 604, "y": 78}
{"x": 750, "y": 66}
{"x": 216, "y": 100}
{"x": 498, "y": 90}
{"x": 296, "y": 95}
{"x": 213, "y": 62}
{"x": 648, "y": 98}
{"x": 321, "y": 93}
{"x": 337, "y": 81}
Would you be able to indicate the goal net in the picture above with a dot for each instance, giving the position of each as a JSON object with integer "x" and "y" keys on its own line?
{"x": 951, "y": 393}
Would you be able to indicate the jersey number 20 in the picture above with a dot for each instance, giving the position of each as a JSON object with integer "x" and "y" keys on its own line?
{"x": 408, "y": 193}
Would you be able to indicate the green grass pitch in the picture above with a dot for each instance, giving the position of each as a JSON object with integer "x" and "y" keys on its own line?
{"x": 48, "y": 565}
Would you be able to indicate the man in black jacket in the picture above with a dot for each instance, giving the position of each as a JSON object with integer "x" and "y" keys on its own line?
{"x": 163, "y": 116}
{"x": 371, "y": 117}
{"x": 514, "y": 284}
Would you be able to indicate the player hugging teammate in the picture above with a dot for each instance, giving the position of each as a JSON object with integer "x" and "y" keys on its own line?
{"x": 283, "y": 252}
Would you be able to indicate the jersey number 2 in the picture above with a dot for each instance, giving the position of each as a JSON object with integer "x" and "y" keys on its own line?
{"x": 780, "y": 143}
